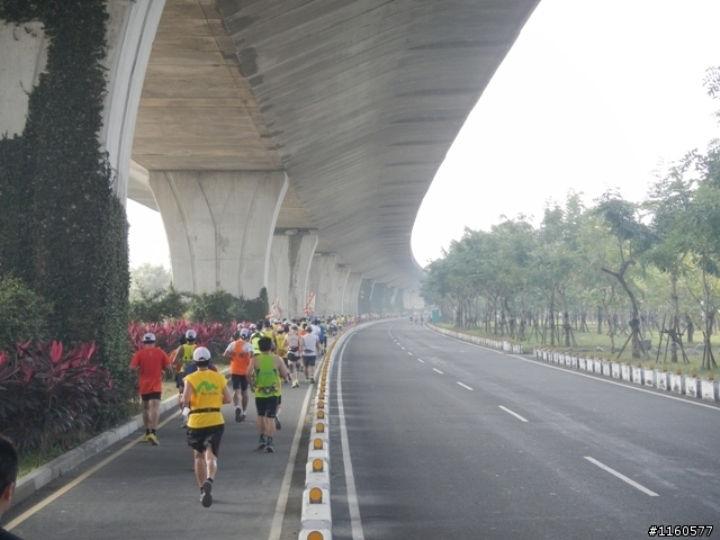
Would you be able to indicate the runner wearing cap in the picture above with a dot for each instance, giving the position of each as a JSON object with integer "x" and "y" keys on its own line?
{"x": 150, "y": 362}
{"x": 204, "y": 394}
{"x": 239, "y": 352}
{"x": 265, "y": 372}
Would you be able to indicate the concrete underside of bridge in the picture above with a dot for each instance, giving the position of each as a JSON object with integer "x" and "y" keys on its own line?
{"x": 353, "y": 104}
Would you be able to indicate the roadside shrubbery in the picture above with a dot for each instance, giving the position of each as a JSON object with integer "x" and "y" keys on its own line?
{"x": 215, "y": 307}
{"x": 214, "y": 336}
{"x": 51, "y": 396}
{"x": 23, "y": 313}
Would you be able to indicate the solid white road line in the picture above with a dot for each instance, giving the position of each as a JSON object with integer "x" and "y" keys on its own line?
{"x": 464, "y": 385}
{"x": 440, "y": 372}
{"x": 281, "y": 506}
{"x": 353, "y": 505}
{"x": 586, "y": 375}
{"x": 622, "y": 477}
{"x": 516, "y": 415}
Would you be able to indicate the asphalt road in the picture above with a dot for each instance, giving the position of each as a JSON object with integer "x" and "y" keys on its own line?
{"x": 431, "y": 438}
{"x": 137, "y": 491}
{"x": 442, "y": 439}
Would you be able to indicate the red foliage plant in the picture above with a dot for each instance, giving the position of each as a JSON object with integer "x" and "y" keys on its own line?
{"x": 214, "y": 336}
{"x": 50, "y": 395}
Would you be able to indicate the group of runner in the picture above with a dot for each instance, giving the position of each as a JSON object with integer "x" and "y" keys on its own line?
{"x": 262, "y": 357}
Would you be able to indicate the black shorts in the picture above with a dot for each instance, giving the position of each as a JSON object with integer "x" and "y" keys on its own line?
{"x": 200, "y": 439}
{"x": 309, "y": 360}
{"x": 267, "y": 406}
{"x": 293, "y": 356}
{"x": 239, "y": 381}
{"x": 148, "y": 397}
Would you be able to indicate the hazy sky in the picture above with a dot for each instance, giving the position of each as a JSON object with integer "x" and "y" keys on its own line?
{"x": 594, "y": 94}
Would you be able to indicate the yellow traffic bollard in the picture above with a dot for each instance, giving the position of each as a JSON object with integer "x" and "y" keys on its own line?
{"x": 315, "y": 495}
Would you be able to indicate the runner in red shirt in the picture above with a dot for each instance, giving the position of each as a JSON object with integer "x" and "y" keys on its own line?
{"x": 150, "y": 363}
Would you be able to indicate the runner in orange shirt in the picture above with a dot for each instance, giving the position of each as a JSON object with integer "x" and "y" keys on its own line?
{"x": 150, "y": 363}
{"x": 239, "y": 353}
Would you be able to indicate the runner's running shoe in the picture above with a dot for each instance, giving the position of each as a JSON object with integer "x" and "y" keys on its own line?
{"x": 206, "y": 500}
{"x": 262, "y": 444}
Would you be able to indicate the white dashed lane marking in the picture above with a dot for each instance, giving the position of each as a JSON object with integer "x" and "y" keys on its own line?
{"x": 622, "y": 477}
{"x": 464, "y": 385}
{"x": 409, "y": 353}
{"x": 516, "y": 415}
{"x": 419, "y": 360}
{"x": 440, "y": 372}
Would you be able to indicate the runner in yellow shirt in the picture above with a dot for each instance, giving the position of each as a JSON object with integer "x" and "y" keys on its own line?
{"x": 204, "y": 394}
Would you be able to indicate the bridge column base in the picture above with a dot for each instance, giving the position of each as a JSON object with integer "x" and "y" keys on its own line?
{"x": 219, "y": 226}
{"x": 290, "y": 259}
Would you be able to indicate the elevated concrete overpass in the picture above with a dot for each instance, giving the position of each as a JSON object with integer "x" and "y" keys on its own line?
{"x": 289, "y": 143}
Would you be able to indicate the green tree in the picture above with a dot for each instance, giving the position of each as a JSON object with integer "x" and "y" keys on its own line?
{"x": 160, "y": 305}
{"x": 669, "y": 202}
{"x": 148, "y": 278}
{"x": 634, "y": 238}
{"x": 217, "y": 306}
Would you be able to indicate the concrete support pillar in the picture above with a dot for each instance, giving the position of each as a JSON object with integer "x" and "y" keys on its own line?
{"x": 366, "y": 290}
{"x": 389, "y": 300}
{"x": 290, "y": 259}
{"x": 220, "y": 227}
{"x": 340, "y": 278}
{"x": 413, "y": 300}
{"x": 321, "y": 281}
{"x": 131, "y": 33}
{"x": 352, "y": 293}
{"x": 377, "y": 297}
{"x": 23, "y": 59}
{"x": 399, "y": 301}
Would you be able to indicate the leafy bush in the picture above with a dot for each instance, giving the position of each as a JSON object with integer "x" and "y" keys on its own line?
{"x": 257, "y": 308}
{"x": 218, "y": 306}
{"x": 50, "y": 396}
{"x": 23, "y": 314}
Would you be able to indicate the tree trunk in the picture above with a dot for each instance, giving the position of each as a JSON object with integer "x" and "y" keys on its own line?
{"x": 552, "y": 319}
{"x": 708, "y": 361}
{"x": 674, "y": 329}
{"x": 635, "y": 322}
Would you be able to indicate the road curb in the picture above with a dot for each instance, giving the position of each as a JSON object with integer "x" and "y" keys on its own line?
{"x": 42, "y": 476}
